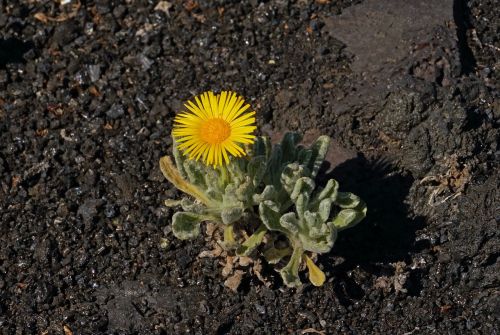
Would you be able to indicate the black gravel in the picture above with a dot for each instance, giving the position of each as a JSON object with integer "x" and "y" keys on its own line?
{"x": 409, "y": 93}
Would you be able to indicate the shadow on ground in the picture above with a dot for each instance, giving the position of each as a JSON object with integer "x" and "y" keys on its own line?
{"x": 12, "y": 50}
{"x": 461, "y": 16}
{"x": 385, "y": 236}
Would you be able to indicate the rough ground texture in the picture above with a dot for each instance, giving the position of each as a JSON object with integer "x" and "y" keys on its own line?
{"x": 409, "y": 93}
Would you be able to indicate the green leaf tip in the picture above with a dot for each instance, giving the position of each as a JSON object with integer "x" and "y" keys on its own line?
{"x": 274, "y": 255}
{"x": 186, "y": 226}
{"x": 348, "y": 218}
{"x": 252, "y": 242}
{"x": 290, "y": 273}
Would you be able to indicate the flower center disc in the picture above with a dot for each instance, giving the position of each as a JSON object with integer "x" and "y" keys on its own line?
{"x": 215, "y": 131}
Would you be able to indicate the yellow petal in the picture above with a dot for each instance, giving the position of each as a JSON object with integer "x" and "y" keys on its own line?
{"x": 316, "y": 276}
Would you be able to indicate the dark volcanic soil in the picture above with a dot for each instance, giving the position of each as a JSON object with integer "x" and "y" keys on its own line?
{"x": 409, "y": 91}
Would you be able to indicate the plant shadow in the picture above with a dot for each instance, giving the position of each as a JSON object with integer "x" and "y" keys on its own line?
{"x": 12, "y": 50}
{"x": 385, "y": 236}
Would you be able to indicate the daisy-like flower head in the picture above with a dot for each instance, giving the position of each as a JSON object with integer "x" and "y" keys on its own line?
{"x": 213, "y": 126}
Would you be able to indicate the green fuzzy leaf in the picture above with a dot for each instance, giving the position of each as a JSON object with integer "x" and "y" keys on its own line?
{"x": 304, "y": 185}
{"x": 291, "y": 174}
{"x": 330, "y": 191}
{"x": 245, "y": 190}
{"x": 289, "y": 177}
{"x": 235, "y": 171}
{"x": 261, "y": 147}
{"x": 189, "y": 205}
{"x": 229, "y": 195}
{"x": 350, "y": 217}
{"x": 290, "y": 223}
{"x": 214, "y": 194}
{"x": 301, "y": 195}
{"x": 269, "y": 193}
{"x": 288, "y": 146}
{"x": 179, "y": 160}
{"x": 325, "y": 206}
{"x": 301, "y": 204}
{"x": 274, "y": 255}
{"x": 186, "y": 225}
{"x": 256, "y": 169}
{"x": 231, "y": 214}
{"x": 290, "y": 273}
{"x": 273, "y": 171}
{"x": 252, "y": 242}
{"x": 312, "y": 222}
{"x": 195, "y": 173}
{"x": 214, "y": 181}
{"x": 319, "y": 151}
{"x": 304, "y": 156}
{"x": 270, "y": 216}
{"x": 347, "y": 200}
{"x": 320, "y": 239}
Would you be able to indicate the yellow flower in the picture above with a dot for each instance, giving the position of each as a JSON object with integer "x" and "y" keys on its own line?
{"x": 214, "y": 126}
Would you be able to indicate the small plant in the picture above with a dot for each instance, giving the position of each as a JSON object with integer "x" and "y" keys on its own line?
{"x": 221, "y": 192}
{"x": 246, "y": 185}
{"x": 222, "y": 195}
{"x": 311, "y": 224}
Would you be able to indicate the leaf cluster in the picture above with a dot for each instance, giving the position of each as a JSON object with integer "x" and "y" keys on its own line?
{"x": 274, "y": 185}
